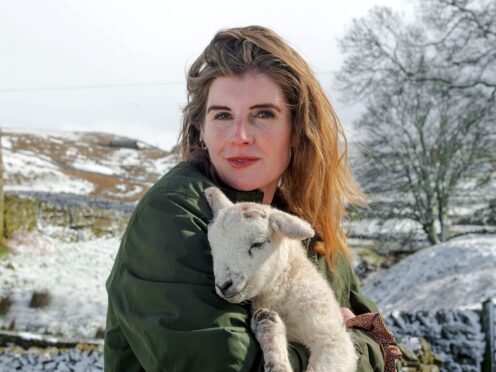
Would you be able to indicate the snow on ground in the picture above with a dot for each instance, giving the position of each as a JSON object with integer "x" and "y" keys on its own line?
{"x": 392, "y": 226}
{"x": 163, "y": 165}
{"x": 456, "y": 274}
{"x": 125, "y": 156}
{"x": 113, "y": 163}
{"x": 459, "y": 273}
{"x": 129, "y": 157}
{"x": 73, "y": 273}
{"x": 34, "y": 173}
{"x": 136, "y": 190}
{"x": 93, "y": 167}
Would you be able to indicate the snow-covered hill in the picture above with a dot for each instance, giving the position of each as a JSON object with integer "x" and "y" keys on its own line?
{"x": 460, "y": 273}
{"x": 80, "y": 163}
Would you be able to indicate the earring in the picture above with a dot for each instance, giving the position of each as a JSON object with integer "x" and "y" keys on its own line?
{"x": 203, "y": 145}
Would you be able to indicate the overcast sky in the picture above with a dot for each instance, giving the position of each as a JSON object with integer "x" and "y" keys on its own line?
{"x": 119, "y": 66}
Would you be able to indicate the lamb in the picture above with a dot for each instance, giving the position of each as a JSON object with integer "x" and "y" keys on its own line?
{"x": 258, "y": 256}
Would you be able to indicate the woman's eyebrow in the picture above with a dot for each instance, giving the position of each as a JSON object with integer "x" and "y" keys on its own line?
{"x": 218, "y": 108}
{"x": 261, "y": 105}
{"x": 266, "y": 105}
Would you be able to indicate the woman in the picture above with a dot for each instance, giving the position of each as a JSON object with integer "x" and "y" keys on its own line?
{"x": 258, "y": 125}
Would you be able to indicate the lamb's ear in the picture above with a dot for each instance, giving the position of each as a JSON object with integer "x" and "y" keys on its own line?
{"x": 216, "y": 199}
{"x": 291, "y": 226}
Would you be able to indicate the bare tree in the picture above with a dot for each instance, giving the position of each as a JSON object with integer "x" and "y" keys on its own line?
{"x": 429, "y": 118}
{"x": 463, "y": 37}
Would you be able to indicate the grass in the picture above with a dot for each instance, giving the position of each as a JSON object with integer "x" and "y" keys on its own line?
{"x": 5, "y": 304}
{"x": 100, "y": 333}
{"x": 4, "y": 251}
{"x": 40, "y": 299}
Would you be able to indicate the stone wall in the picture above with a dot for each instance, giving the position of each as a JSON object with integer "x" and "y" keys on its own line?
{"x": 66, "y": 217}
{"x": 454, "y": 335}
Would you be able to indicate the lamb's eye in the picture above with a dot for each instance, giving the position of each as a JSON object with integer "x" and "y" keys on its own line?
{"x": 257, "y": 245}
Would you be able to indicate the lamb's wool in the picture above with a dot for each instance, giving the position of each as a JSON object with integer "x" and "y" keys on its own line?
{"x": 258, "y": 256}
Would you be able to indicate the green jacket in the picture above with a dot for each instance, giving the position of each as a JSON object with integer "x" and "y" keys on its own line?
{"x": 163, "y": 312}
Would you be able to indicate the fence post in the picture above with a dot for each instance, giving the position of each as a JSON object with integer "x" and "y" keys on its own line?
{"x": 487, "y": 322}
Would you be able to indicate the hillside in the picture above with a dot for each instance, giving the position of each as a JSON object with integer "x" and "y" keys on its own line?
{"x": 457, "y": 274}
{"x": 80, "y": 163}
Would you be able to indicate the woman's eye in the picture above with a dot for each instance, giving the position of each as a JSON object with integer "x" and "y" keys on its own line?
{"x": 266, "y": 115}
{"x": 222, "y": 116}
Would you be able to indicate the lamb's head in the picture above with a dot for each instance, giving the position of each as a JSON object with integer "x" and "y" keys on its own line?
{"x": 249, "y": 244}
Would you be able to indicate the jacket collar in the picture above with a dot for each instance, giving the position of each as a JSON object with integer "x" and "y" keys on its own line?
{"x": 242, "y": 196}
{"x": 237, "y": 196}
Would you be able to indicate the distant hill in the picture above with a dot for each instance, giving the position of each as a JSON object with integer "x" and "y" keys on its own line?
{"x": 92, "y": 164}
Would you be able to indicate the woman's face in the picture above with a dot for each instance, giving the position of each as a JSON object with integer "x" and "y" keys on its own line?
{"x": 247, "y": 130}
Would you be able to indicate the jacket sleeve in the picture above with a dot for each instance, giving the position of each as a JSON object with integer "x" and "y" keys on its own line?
{"x": 370, "y": 355}
{"x": 368, "y": 350}
{"x": 161, "y": 294}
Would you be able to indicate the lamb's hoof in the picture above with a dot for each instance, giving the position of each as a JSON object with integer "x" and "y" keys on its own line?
{"x": 273, "y": 367}
{"x": 270, "y": 333}
{"x": 264, "y": 314}
{"x": 265, "y": 321}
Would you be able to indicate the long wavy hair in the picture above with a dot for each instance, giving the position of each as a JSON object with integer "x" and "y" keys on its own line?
{"x": 318, "y": 183}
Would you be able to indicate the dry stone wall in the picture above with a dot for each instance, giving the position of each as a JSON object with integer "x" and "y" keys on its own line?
{"x": 66, "y": 217}
{"x": 454, "y": 335}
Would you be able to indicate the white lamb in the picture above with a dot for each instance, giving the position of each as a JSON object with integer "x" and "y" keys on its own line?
{"x": 258, "y": 256}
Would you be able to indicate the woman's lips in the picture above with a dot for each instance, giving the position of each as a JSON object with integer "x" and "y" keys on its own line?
{"x": 241, "y": 162}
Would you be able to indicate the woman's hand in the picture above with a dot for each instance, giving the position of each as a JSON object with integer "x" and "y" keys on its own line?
{"x": 347, "y": 313}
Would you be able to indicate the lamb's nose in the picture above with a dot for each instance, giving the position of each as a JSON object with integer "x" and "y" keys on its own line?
{"x": 224, "y": 287}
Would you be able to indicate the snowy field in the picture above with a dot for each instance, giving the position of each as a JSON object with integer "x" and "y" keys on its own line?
{"x": 456, "y": 274}
{"x": 74, "y": 275}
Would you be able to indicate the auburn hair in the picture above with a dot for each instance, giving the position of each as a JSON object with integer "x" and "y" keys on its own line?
{"x": 318, "y": 183}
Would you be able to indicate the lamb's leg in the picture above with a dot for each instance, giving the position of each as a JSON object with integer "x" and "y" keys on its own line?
{"x": 332, "y": 355}
{"x": 271, "y": 335}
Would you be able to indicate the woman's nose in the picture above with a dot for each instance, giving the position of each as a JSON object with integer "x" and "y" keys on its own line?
{"x": 242, "y": 132}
